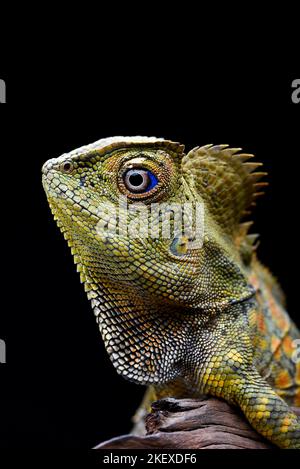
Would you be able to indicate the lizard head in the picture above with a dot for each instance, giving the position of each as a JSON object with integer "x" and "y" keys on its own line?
{"x": 156, "y": 238}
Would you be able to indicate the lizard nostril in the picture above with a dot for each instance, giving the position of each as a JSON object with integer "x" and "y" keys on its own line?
{"x": 67, "y": 167}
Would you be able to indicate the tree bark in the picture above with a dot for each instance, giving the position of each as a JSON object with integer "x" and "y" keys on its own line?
{"x": 207, "y": 423}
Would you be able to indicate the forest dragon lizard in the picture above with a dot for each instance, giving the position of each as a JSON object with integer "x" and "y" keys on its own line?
{"x": 186, "y": 319}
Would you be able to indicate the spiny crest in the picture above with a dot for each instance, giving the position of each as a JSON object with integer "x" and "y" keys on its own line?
{"x": 245, "y": 242}
{"x": 227, "y": 181}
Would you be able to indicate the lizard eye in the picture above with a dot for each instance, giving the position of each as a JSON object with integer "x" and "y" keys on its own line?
{"x": 139, "y": 180}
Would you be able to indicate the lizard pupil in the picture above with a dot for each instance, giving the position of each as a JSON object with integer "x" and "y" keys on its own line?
{"x": 136, "y": 179}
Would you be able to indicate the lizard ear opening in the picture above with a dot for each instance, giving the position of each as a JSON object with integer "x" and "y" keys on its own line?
{"x": 226, "y": 181}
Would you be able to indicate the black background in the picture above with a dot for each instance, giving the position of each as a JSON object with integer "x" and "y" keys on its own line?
{"x": 58, "y": 387}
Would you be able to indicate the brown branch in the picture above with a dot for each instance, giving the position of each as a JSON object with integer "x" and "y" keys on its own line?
{"x": 193, "y": 424}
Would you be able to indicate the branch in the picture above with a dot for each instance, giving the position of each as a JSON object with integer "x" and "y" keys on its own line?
{"x": 193, "y": 424}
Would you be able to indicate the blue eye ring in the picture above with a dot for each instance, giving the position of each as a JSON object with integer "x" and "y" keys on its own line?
{"x": 139, "y": 180}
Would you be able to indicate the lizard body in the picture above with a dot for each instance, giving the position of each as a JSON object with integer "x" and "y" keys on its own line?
{"x": 184, "y": 317}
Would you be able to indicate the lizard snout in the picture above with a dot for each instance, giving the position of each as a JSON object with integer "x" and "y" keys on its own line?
{"x": 47, "y": 166}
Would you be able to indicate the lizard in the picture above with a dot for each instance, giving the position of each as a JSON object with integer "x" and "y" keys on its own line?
{"x": 182, "y": 315}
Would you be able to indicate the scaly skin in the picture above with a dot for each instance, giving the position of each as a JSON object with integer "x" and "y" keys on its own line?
{"x": 185, "y": 319}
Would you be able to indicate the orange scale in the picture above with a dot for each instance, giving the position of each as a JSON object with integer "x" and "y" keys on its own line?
{"x": 283, "y": 380}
